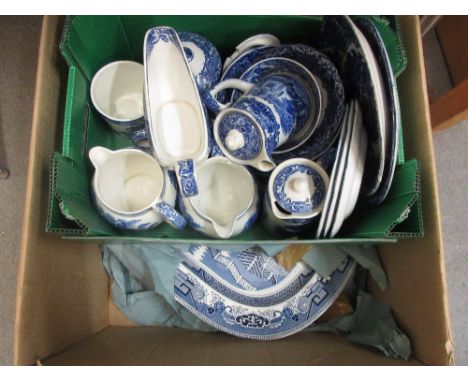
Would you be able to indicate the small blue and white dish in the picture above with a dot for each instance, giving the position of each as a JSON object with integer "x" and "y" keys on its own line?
{"x": 328, "y": 79}
{"x": 203, "y": 59}
{"x": 296, "y": 194}
{"x": 344, "y": 43}
{"x": 376, "y": 42}
{"x": 260, "y": 322}
{"x": 254, "y": 125}
{"x": 280, "y": 65}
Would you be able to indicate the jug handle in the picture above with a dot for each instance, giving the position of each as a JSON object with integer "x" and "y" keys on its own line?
{"x": 185, "y": 172}
{"x": 171, "y": 216}
{"x": 212, "y": 102}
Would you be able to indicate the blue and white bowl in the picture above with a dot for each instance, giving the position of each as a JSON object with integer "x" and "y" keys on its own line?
{"x": 296, "y": 194}
{"x": 203, "y": 59}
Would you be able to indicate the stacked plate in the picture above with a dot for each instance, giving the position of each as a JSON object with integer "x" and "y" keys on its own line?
{"x": 247, "y": 294}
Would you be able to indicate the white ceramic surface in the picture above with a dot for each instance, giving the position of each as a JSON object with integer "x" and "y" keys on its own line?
{"x": 117, "y": 94}
{"x": 131, "y": 190}
{"x": 264, "y": 39}
{"x": 227, "y": 202}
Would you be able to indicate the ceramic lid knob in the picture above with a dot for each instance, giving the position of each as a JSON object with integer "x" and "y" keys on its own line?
{"x": 234, "y": 140}
{"x": 299, "y": 185}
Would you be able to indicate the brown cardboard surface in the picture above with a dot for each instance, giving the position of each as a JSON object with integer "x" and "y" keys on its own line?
{"x": 63, "y": 294}
{"x": 62, "y": 288}
{"x": 416, "y": 268}
{"x": 147, "y": 346}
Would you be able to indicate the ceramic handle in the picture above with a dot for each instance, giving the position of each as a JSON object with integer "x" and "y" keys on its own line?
{"x": 185, "y": 171}
{"x": 252, "y": 42}
{"x": 212, "y": 102}
{"x": 174, "y": 218}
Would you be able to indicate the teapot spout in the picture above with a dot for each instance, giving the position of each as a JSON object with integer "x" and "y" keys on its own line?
{"x": 264, "y": 162}
{"x": 98, "y": 155}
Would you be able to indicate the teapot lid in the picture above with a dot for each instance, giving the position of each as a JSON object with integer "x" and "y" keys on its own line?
{"x": 240, "y": 135}
{"x": 299, "y": 186}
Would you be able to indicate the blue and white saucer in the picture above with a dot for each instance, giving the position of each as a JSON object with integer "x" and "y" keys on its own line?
{"x": 328, "y": 79}
{"x": 280, "y": 65}
{"x": 260, "y": 322}
{"x": 203, "y": 59}
{"x": 372, "y": 35}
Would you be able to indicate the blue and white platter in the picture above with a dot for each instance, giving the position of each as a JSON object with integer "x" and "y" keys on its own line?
{"x": 266, "y": 314}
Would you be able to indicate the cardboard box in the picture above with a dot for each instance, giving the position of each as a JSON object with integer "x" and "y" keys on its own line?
{"x": 64, "y": 309}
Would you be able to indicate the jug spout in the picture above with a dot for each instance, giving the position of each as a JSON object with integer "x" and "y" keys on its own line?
{"x": 98, "y": 155}
{"x": 224, "y": 231}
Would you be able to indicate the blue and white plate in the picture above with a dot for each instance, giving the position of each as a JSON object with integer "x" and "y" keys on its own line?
{"x": 281, "y": 65}
{"x": 260, "y": 322}
{"x": 203, "y": 59}
{"x": 372, "y": 35}
{"x": 328, "y": 79}
{"x": 347, "y": 47}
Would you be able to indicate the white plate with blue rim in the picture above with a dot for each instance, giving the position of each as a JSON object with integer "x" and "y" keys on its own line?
{"x": 376, "y": 42}
{"x": 328, "y": 79}
{"x": 344, "y": 43}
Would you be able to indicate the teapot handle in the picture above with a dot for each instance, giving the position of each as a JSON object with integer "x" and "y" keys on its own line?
{"x": 212, "y": 102}
{"x": 264, "y": 39}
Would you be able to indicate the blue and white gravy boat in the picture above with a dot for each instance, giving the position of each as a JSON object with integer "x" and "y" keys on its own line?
{"x": 175, "y": 116}
{"x": 296, "y": 195}
{"x": 249, "y": 129}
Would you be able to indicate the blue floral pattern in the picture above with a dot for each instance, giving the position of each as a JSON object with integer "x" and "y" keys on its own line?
{"x": 329, "y": 80}
{"x": 310, "y": 202}
{"x": 186, "y": 177}
{"x": 211, "y": 71}
{"x": 175, "y": 219}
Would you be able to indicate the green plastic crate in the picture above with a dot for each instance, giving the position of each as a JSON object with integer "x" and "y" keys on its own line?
{"x": 89, "y": 42}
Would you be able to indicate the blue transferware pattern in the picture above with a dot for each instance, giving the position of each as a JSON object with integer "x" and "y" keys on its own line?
{"x": 249, "y": 270}
{"x": 171, "y": 216}
{"x": 144, "y": 220}
{"x": 264, "y": 322}
{"x": 187, "y": 183}
{"x": 278, "y": 295}
{"x": 275, "y": 107}
{"x": 311, "y": 110}
{"x": 298, "y": 206}
{"x": 203, "y": 59}
{"x": 341, "y": 43}
{"x": 326, "y": 74}
{"x": 371, "y": 32}
{"x": 127, "y": 128}
{"x": 328, "y": 159}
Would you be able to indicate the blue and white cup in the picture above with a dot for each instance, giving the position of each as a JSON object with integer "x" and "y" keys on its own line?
{"x": 250, "y": 128}
{"x": 117, "y": 94}
{"x": 131, "y": 191}
{"x": 295, "y": 196}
